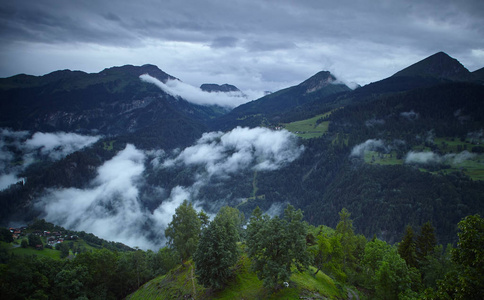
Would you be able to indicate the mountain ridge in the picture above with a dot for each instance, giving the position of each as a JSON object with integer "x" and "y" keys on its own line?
{"x": 439, "y": 65}
{"x": 269, "y": 107}
{"x": 399, "y": 114}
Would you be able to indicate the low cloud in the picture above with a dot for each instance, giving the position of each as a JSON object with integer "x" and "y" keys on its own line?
{"x": 422, "y": 158}
{"x": 476, "y": 136}
{"x": 60, "y": 144}
{"x": 373, "y": 122}
{"x": 112, "y": 207}
{"x": 429, "y": 138}
{"x": 276, "y": 209}
{"x": 7, "y": 180}
{"x": 258, "y": 148}
{"x": 429, "y": 157}
{"x": 195, "y": 95}
{"x": 369, "y": 145}
{"x": 410, "y": 115}
{"x": 18, "y": 150}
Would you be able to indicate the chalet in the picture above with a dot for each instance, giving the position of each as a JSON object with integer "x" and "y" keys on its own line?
{"x": 16, "y": 232}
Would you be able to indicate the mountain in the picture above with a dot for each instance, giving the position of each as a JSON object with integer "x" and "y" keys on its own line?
{"x": 479, "y": 75}
{"x": 439, "y": 65}
{"x": 268, "y": 108}
{"x": 212, "y": 87}
{"x": 402, "y": 150}
{"x": 114, "y": 101}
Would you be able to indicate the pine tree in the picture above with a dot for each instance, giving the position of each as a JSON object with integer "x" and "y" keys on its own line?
{"x": 426, "y": 242}
{"x": 345, "y": 230}
{"x": 406, "y": 248}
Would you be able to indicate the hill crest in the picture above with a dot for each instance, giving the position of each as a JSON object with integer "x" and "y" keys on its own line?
{"x": 439, "y": 65}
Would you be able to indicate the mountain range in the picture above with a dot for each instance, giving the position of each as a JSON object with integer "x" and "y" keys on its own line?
{"x": 403, "y": 150}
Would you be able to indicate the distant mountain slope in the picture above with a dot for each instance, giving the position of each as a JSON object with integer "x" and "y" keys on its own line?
{"x": 269, "y": 107}
{"x": 114, "y": 101}
{"x": 439, "y": 65}
{"x": 434, "y": 70}
{"x": 212, "y": 87}
{"x": 479, "y": 75}
{"x": 359, "y": 162}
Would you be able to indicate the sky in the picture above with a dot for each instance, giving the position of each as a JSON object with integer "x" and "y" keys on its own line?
{"x": 256, "y": 45}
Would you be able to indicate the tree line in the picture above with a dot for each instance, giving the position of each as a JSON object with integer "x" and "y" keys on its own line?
{"x": 414, "y": 268}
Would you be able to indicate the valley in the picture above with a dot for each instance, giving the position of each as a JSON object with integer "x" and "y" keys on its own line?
{"x": 116, "y": 153}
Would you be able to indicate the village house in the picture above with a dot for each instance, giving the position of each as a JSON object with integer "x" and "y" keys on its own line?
{"x": 16, "y": 232}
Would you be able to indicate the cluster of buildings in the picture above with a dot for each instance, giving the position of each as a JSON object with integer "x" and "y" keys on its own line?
{"x": 51, "y": 238}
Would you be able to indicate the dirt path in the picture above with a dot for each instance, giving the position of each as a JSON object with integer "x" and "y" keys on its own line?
{"x": 352, "y": 295}
{"x": 194, "y": 295}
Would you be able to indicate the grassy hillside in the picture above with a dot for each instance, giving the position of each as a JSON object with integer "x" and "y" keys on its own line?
{"x": 17, "y": 250}
{"x": 181, "y": 283}
{"x": 308, "y": 128}
{"x": 473, "y": 166}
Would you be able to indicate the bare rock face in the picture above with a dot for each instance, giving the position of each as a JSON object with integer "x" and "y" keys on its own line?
{"x": 318, "y": 81}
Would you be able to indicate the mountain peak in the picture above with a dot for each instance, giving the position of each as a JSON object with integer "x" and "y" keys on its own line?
{"x": 439, "y": 65}
{"x": 213, "y": 87}
{"x": 136, "y": 71}
{"x": 319, "y": 81}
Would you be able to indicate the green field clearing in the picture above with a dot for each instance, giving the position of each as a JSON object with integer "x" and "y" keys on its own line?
{"x": 308, "y": 129}
{"x": 108, "y": 145}
{"x": 473, "y": 167}
{"x": 46, "y": 252}
{"x": 453, "y": 145}
{"x": 373, "y": 157}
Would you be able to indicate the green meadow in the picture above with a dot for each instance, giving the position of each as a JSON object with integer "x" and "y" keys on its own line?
{"x": 245, "y": 285}
{"x": 472, "y": 167}
{"x": 308, "y": 129}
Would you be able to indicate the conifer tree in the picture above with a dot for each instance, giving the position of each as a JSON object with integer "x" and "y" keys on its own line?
{"x": 345, "y": 230}
{"x": 406, "y": 248}
{"x": 426, "y": 242}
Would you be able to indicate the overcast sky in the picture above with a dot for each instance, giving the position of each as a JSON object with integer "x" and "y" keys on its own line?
{"x": 253, "y": 44}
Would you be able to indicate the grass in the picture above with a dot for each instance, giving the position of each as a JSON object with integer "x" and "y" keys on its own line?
{"x": 46, "y": 252}
{"x": 308, "y": 129}
{"x": 108, "y": 145}
{"x": 452, "y": 145}
{"x": 373, "y": 157}
{"x": 254, "y": 185}
{"x": 320, "y": 284}
{"x": 178, "y": 284}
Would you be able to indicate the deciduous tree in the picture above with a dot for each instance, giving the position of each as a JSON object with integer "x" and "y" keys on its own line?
{"x": 217, "y": 250}
{"x": 183, "y": 232}
{"x": 276, "y": 245}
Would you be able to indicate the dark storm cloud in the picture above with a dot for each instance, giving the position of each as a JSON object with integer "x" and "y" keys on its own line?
{"x": 206, "y": 41}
